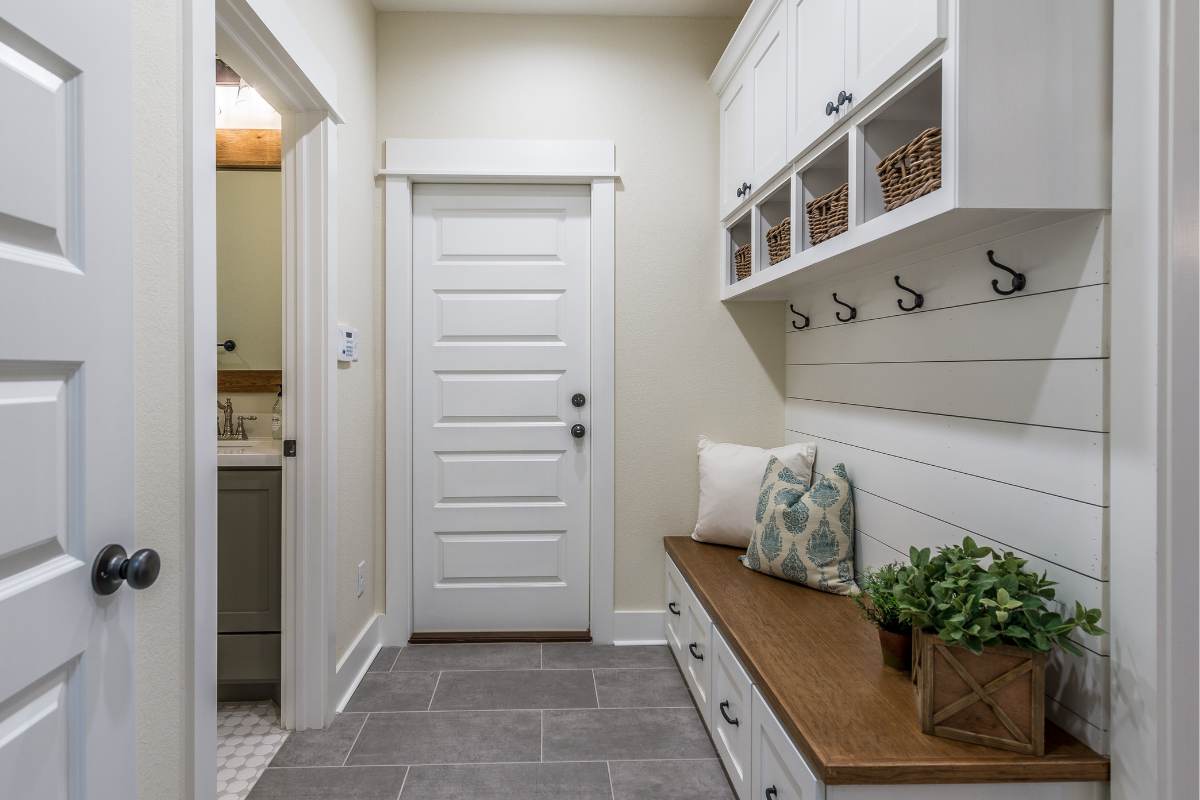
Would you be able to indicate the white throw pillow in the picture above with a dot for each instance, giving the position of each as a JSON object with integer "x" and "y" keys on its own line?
{"x": 730, "y": 479}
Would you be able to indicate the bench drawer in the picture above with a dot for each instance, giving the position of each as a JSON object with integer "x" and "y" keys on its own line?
{"x": 779, "y": 772}
{"x": 697, "y": 646}
{"x": 731, "y": 714}
{"x": 677, "y": 601}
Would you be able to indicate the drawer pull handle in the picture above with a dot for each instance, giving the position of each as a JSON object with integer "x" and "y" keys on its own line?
{"x": 731, "y": 720}
{"x": 771, "y": 793}
{"x": 692, "y": 650}
{"x": 674, "y": 609}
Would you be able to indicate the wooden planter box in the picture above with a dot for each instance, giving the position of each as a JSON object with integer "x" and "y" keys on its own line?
{"x": 997, "y": 699}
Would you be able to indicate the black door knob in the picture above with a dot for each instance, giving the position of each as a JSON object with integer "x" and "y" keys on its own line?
{"x": 830, "y": 109}
{"x": 578, "y": 400}
{"x": 111, "y": 568}
{"x": 578, "y": 431}
{"x": 844, "y": 97}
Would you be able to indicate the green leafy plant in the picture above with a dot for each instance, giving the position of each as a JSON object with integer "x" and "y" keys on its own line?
{"x": 955, "y": 596}
{"x": 877, "y": 600}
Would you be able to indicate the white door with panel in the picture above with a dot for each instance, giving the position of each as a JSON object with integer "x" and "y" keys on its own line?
{"x": 66, "y": 386}
{"x": 818, "y": 71}
{"x": 767, "y": 65}
{"x": 737, "y": 141}
{"x": 501, "y": 374}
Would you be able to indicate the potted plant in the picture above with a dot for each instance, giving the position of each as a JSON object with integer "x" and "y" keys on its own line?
{"x": 879, "y": 605}
{"x": 985, "y": 633}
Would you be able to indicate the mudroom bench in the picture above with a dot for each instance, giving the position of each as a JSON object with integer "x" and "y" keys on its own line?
{"x": 800, "y": 707}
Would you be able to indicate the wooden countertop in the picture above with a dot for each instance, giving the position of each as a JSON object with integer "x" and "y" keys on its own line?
{"x": 816, "y": 662}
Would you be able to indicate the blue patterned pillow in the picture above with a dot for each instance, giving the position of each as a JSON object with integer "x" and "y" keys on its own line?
{"x": 802, "y": 534}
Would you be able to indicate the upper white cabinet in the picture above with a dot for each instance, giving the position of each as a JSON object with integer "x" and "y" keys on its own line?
{"x": 754, "y": 140}
{"x": 1001, "y": 109}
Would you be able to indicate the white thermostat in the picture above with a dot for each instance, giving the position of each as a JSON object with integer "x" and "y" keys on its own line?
{"x": 347, "y": 344}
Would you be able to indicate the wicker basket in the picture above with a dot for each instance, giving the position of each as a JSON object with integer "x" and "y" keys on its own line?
{"x": 912, "y": 171}
{"x": 828, "y": 214}
{"x": 741, "y": 262}
{"x": 779, "y": 241}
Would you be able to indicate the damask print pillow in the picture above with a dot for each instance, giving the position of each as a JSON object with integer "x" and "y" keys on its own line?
{"x": 805, "y": 534}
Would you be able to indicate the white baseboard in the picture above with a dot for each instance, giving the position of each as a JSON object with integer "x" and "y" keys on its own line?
{"x": 353, "y": 666}
{"x": 639, "y": 627}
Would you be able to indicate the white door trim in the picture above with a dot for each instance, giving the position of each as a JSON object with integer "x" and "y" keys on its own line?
{"x": 409, "y": 161}
{"x": 262, "y": 40}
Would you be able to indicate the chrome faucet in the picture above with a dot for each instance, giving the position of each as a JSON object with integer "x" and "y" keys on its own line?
{"x": 240, "y": 433}
{"x": 225, "y": 430}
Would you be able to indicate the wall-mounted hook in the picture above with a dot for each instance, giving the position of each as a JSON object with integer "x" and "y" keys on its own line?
{"x": 1018, "y": 279}
{"x": 804, "y": 317}
{"x": 229, "y": 345}
{"x": 853, "y": 310}
{"x": 918, "y": 298}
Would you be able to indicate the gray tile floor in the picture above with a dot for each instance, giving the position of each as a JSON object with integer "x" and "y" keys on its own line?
{"x": 507, "y": 722}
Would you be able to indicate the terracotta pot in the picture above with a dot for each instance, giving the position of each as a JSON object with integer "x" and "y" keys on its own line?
{"x": 896, "y": 649}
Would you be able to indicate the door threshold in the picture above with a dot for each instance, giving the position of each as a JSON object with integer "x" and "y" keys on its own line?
{"x": 489, "y": 637}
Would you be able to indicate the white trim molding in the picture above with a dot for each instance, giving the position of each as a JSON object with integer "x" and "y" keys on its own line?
{"x": 409, "y": 161}
{"x": 639, "y": 627}
{"x": 356, "y": 662}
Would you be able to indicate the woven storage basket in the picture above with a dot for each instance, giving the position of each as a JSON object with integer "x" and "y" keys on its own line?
{"x": 828, "y": 214}
{"x": 912, "y": 171}
{"x": 741, "y": 262}
{"x": 779, "y": 241}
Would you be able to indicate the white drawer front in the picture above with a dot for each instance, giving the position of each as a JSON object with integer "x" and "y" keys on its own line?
{"x": 779, "y": 771}
{"x": 731, "y": 716}
{"x": 677, "y": 593}
{"x": 697, "y": 655}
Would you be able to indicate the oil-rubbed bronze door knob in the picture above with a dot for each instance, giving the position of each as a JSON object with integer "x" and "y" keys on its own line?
{"x": 111, "y": 568}
{"x": 578, "y": 431}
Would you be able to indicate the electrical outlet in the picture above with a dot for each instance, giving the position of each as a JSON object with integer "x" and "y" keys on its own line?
{"x": 360, "y": 582}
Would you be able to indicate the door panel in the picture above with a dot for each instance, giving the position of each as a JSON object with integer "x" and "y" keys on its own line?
{"x": 677, "y": 593}
{"x": 697, "y": 654}
{"x": 66, "y": 464}
{"x": 500, "y": 486}
{"x": 249, "y": 541}
{"x": 769, "y": 68}
{"x": 737, "y": 139}
{"x": 885, "y": 37}
{"x": 731, "y": 700}
{"x": 818, "y": 31}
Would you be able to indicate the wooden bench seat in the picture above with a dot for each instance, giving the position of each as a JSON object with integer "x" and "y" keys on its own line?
{"x": 816, "y": 663}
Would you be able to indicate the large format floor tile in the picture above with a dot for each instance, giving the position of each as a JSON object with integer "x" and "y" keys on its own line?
{"x": 516, "y": 655}
{"x": 478, "y": 689}
{"x": 449, "y": 737}
{"x": 330, "y": 783}
{"x": 609, "y": 734}
{"x": 586, "y": 781}
{"x": 642, "y": 688}
{"x": 321, "y": 748}
{"x": 670, "y": 780}
{"x": 384, "y": 659}
{"x": 394, "y": 691}
{"x": 583, "y": 655}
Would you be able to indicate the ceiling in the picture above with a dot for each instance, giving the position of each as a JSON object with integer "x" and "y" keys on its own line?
{"x": 608, "y": 8}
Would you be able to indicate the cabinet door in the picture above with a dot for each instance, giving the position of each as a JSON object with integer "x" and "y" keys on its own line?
{"x": 676, "y": 604}
{"x": 883, "y": 37}
{"x": 699, "y": 660}
{"x": 731, "y": 715}
{"x": 248, "y": 550}
{"x": 778, "y": 767}
{"x": 767, "y": 64}
{"x": 817, "y": 29}
{"x": 737, "y": 139}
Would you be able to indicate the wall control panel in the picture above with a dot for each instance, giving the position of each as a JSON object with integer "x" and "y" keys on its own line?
{"x": 347, "y": 344}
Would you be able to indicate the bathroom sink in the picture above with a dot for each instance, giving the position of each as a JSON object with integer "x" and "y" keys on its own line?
{"x": 249, "y": 453}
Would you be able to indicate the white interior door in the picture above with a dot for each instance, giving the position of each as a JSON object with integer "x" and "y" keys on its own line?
{"x": 500, "y": 347}
{"x": 66, "y": 437}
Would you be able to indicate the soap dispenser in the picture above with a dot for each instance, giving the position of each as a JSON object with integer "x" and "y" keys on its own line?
{"x": 277, "y": 417}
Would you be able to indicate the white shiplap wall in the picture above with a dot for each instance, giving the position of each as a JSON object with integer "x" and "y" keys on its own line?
{"x": 977, "y": 414}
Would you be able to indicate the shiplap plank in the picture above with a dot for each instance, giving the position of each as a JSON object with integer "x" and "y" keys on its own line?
{"x": 1094, "y": 737}
{"x": 1064, "y": 394}
{"x": 1080, "y": 683}
{"x": 1062, "y": 531}
{"x": 1057, "y": 461}
{"x": 898, "y": 528}
{"x": 1061, "y": 256}
{"x": 1066, "y": 324}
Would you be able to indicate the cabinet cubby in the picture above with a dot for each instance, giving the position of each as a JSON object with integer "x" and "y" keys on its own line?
{"x": 738, "y": 234}
{"x": 819, "y": 177}
{"x": 894, "y": 125}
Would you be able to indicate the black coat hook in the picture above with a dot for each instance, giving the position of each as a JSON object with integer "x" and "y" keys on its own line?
{"x": 918, "y": 298}
{"x": 853, "y": 310}
{"x": 229, "y": 345}
{"x": 1018, "y": 279}
{"x": 798, "y": 314}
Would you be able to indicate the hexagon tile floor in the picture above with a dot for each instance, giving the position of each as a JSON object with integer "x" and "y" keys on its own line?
{"x": 248, "y": 737}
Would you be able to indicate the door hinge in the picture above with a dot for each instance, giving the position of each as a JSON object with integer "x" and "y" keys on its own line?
{"x": 289, "y": 448}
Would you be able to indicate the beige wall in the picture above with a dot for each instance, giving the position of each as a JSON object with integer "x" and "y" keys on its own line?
{"x": 250, "y": 268}
{"x": 686, "y": 364}
{"x": 344, "y": 31}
